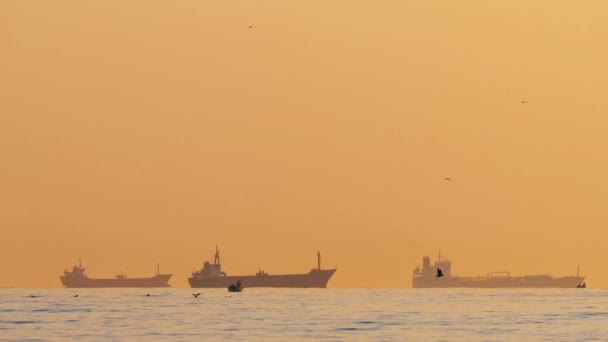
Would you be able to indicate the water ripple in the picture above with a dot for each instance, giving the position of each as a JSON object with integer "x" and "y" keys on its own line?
{"x": 311, "y": 314}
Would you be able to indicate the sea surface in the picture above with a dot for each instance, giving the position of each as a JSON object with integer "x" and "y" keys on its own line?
{"x": 304, "y": 314}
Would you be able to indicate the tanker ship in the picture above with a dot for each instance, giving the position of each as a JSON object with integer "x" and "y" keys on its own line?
{"x": 212, "y": 276}
{"x": 440, "y": 276}
{"x": 78, "y": 278}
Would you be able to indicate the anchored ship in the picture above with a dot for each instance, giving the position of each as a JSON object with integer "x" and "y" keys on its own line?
{"x": 439, "y": 275}
{"x": 77, "y": 278}
{"x": 212, "y": 276}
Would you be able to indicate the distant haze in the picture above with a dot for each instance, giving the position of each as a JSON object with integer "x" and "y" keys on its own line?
{"x": 136, "y": 132}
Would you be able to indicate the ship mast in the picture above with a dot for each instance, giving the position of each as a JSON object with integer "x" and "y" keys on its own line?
{"x": 216, "y": 259}
{"x": 319, "y": 261}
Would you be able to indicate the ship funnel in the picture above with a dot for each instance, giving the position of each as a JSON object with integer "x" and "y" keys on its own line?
{"x": 319, "y": 261}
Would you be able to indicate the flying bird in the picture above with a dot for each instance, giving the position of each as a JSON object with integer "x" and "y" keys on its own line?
{"x": 524, "y": 101}
{"x": 75, "y": 295}
{"x": 195, "y": 295}
{"x": 439, "y": 273}
{"x": 447, "y": 179}
{"x": 250, "y": 26}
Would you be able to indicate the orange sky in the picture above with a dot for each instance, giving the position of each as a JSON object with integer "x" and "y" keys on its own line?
{"x": 133, "y": 132}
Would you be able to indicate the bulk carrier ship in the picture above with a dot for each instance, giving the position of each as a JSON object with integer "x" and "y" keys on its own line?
{"x": 77, "y": 278}
{"x": 439, "y": 275}
{"x": 212, "y": 276}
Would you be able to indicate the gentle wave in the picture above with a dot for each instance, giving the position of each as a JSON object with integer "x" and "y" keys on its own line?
{"x": 304, "y": 314}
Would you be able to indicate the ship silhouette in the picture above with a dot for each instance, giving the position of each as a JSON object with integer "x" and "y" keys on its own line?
{"x": 78, "y": 278}
{"x": 427, "y": 278}
{"x": 212, "y": 276}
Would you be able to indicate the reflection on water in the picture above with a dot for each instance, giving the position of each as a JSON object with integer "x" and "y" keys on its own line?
{"x": 281, "y": 314}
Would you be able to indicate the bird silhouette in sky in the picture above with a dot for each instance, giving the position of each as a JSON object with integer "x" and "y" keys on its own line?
{"x": 447, "y": 179}
{"x": 75, "y": 295}
{"x": 195, "y": 295}
{"x": 524, "y": 101}
{"x": 439, "y": 273}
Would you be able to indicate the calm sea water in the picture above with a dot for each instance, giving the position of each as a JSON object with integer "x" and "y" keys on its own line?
{"x": 294, "y": 314}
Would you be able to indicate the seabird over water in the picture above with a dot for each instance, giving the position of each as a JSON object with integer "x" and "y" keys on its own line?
{"x": 439, "y": 273}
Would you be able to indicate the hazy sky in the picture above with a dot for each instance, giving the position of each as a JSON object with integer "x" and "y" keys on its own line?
{"x": 136, "y": 132}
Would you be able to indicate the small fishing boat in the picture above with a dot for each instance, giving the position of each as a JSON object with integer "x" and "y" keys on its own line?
{"x": 236, "y": 288}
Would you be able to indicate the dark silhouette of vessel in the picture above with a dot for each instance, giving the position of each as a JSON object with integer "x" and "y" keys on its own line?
{"x": 212, "y": 276}
{"x": 427, "y": 277}
{"x": 78, "y": 278}
{"x": 238, "y": 287}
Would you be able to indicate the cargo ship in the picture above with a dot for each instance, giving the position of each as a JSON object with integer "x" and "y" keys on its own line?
{"x": 212, "y": 276}
{"x": 77, "y": 278}
{"x": 439, "y": 275}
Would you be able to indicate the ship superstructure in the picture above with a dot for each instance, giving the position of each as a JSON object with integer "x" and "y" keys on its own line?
{"x": 426, "y": 277}
{"x": 212, "y": 276}
{"x": 78, "y": 278}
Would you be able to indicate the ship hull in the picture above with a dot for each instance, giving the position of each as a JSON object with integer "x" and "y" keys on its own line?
{"x": 508, "y": 282}
{"x": 313, "y": 279}
{"x": 160, "y": 280}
